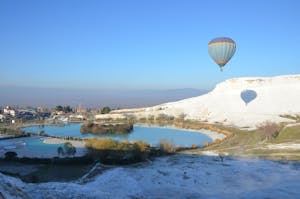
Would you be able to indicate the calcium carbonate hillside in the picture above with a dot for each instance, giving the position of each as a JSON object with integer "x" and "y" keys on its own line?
{"x": 243, "y": 102}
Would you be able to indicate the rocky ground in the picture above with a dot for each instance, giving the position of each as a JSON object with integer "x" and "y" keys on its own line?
{"x": 179, "y": 176}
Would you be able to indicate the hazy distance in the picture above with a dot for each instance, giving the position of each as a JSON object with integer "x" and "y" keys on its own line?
{"x": 50, "y": 97}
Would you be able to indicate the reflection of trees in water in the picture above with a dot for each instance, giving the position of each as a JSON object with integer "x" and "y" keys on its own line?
{"x": 248, "y": 96}
{"x": 113, "y": 136}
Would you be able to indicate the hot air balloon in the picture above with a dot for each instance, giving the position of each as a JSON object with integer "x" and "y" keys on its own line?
{"x": 221, "y": 50}
{"x": 248, "y": 95}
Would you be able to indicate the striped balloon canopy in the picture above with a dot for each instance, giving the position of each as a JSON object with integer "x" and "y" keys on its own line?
{"x": 221, "y": 50}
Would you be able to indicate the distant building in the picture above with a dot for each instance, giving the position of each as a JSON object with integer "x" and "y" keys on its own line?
{"x": 2, "y": 117}
{"x": 9, "y": 111}
{"x": 26, "y": 114}
{"x": 44, "y": 115}
{"x": 41, "y": 109}
{"x": 60, "y": 113}
{"x": 75, "y": 117}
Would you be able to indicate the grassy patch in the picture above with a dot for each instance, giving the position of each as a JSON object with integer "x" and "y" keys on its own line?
{"x": 278, "y": 154}
{"x": 239, "y": 143}
{"x": 250, "y": 144}
{"x": 290, "y": 134}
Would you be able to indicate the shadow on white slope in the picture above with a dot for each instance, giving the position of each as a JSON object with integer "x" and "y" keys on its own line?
{"x": 274, "y": 96}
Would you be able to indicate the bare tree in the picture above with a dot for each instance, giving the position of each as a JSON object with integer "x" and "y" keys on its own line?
{"x": 268, "y": 130}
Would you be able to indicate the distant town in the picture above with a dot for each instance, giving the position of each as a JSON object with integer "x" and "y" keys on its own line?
{"x": 17, "y": 115}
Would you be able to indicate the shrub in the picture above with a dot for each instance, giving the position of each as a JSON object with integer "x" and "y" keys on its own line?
{"x": 162, "y": 117}
{"x": 217, "y": 141}
{"x": 151, "y": 117}
{"x": 10, "y": 155}
{"x": 268, "y": 130}
{"x": 101, "y": 144}
{"x": 125, "y": 142}
{"x": 141, "y": 150}
{"x": 143, "y": 119}
{"x": 167, "y": 146}
{"x": 141, "y": 146}
{"x": 181, "y": 116}
{"x": 130, "y": 117}
{"x": 206, "y": 144}
{"x": 114, "y": 152}
{"x": 106, "y": 128}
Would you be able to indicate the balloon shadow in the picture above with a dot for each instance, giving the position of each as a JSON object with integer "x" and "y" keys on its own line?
{"x": 248, "y": 96}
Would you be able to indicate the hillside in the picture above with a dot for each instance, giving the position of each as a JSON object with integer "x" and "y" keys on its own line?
{"x": 267, "y": 98}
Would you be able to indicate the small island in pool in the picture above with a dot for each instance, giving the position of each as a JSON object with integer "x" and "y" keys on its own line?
{"x": 106, "y": 128}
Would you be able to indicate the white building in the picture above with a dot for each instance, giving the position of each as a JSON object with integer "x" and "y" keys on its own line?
{"x": 2, "y": 117}
{"x": 77, "y": 117}
{"x": 9, "y": 111}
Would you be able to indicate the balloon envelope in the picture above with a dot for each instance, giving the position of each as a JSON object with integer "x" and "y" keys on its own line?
{"x": 221, "y": 50}
{"x": 248, "y": 95}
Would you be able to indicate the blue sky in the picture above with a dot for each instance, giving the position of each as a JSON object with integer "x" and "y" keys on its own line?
{"x": 150, "y": 44}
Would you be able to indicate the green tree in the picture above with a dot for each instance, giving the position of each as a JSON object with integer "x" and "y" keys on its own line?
{"x": 42, "y": 133}
{"x": 69, "y": 149}
{"x": 60, "y": 151}
{"x": 105, "y": 110}
{"x": 67, "y": 109}
{"x": 72, "y": 152}
{"x": 59, "y": 108}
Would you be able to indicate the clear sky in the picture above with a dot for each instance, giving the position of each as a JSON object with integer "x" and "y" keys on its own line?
{"x": 143, "y": 44}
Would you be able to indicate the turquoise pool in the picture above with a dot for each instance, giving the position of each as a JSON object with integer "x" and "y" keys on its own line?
{"x": 36, "y": 144}
{"x": 152, "y": 135}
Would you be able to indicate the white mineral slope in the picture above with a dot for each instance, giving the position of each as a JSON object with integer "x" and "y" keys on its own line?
{"x": 178, "y": 176}
{"x": 275, "y": 96}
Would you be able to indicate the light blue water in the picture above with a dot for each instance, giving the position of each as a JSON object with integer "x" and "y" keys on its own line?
{"x": 152, "y": 135}
{"x": 4, "y": 143}
{"x": 36, "y": 144}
